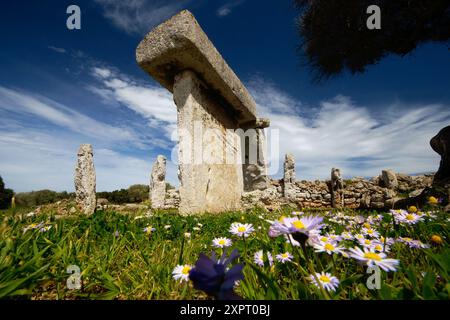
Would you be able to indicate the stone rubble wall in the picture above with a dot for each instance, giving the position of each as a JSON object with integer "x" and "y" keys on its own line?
{"x": 359, "y": 193}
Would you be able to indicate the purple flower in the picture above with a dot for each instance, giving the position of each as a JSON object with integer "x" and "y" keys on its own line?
{"x": 213, "y": 277}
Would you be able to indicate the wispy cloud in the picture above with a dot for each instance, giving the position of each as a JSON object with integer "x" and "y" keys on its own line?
{"x": 29, "y": 104}
{"x": 228, "y": 7}
{"x": 339, "y": 133}
{"x": 56, "y": 49}
{"x": 34, "y": 160}
{"x": 139, "y": 16}
{"x": 153, "y": 103}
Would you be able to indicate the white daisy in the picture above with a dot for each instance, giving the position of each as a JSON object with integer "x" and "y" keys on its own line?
{"x": 33, "y": 226}
{"x": 304, "y": 225}
{"x": 328, "y": 247}
{"x": 259, "y": 258}
{"x": 370, "y": 232}
{"x": 284, "y": 257}
{"x": 346, "y": 235}
{"x": 148, "y": 230}
{"x": 328, "y": 282}
{"x": 409, "y": 218}
{"x": 221, "y": 242}
{"x": 370, "y": 258}
{"x": 241, "y": 229}
{"x": 359, "y": 236}
{"x": 181, "y": 272}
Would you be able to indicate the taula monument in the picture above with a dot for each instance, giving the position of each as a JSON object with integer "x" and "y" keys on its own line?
{"x": 213, "y": 109}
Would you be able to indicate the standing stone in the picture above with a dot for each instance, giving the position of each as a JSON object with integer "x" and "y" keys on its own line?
{"x": 441, "y": 181}
{"x": 389, "y": 179}
{"x": 337, "y": 188}
{"x": 207, "y": 182}
{"x": 441, "y": 145}
{"x": 158, "y": 183}
{"x": 255, "y": 165}
{"x": 85, "y": 182}
{"x": 289, "y": 175}
{"x": 212, "y": 104}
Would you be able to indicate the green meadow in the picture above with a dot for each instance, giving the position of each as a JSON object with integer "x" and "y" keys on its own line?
{"x": 117, "y": 259}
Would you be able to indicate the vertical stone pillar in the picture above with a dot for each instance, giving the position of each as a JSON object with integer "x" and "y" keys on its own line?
{"x": 337, "y": 188}
{"x": 289, "y": 175}
{"x": 255, "y": 158}
{"x": 158, "y": 183}
{"x": 208, "y": 182}
{"x": 212, "y": 103}
{"x": 85, "y": 181}
{"x": 389, "y": 179}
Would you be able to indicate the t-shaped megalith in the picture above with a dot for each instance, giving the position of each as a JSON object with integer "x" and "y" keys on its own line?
{"x": 211, "y": 104}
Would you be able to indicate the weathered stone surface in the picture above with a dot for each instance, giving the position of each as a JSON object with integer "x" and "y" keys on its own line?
{"x": 389, "y": 179}
{"x": 337, "y": 186}
{"x": 102, "y": 204}
{"x": 289, "y": 175}
{"x": 208, "y": 181}
{"x": 85, "y": 180}
{"x": 441, "y": 145}
{"x": 255, "y": 166}
{"x": 158, "y": 183}
{"x": 180, "y": 44}
{"x": 172, "y": 199}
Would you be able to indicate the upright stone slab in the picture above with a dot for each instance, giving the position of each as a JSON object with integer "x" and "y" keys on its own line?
{"x": 289, "y": 175}
{"x": 337, "y": 188}
{"x": 389, "y": 179}
{"x": 158, "y": 183}
{"x": 85, "y": 181}
{"x": 255, "y": 159}
{"x": 211, "y": 104}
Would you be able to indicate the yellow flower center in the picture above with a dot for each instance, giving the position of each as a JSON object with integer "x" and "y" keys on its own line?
{"x": 324, "y": 278}
{"x": 436, "y": 239}
{"x": 284, "y": 255}
{"x": 222, "y": 242}
{"x": 298, "y": 224}
{"x": 369, "y": 231}
{"x": 409, "y": 217}
{"x": 372, "y": 256}
{"x": 186, "y": 270}
{"x": 242, "y": 229}
{"x": 281, "y": 219}
{"x": 367, "y": 225}
{"x": 412, "y": 209}
{"x": 329, "y": 246}
{"x": 432, "y": 200}
{"x": 367, "y": 241}
{"x": 378, "y": 247}
{"x": 324, "y": 239}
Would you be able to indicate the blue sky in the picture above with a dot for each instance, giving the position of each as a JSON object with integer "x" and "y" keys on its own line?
{"x": 60, "y": 88}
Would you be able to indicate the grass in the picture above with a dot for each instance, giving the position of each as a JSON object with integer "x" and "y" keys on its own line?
{"x": 118, "y": 260}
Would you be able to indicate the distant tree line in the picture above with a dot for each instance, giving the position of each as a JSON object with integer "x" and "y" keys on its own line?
{"x": 5, "y": 195}
{"x": 134, "y": 194}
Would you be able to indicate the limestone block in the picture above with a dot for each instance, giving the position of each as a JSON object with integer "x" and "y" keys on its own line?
{"x": 158, "y": 183}
{"x": 85, "y": 180}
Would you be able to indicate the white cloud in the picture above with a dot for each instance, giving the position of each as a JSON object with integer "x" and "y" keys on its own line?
{"x": 338, "y": 133}
{"x": 56, "y": 49}
{"x": 33, "y": 160}
{"x": 139, "y": 16}
{"x": 28, "y": 104}
{"x": 227, "y": 8}
{"x": 152, "y": 103}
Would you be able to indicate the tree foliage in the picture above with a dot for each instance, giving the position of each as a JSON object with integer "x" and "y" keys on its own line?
{"x": 40, "y": 197}
{"x": 5, "y": 195}
{"x": 335, "y": 36}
